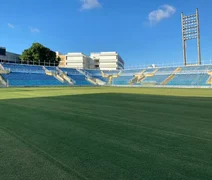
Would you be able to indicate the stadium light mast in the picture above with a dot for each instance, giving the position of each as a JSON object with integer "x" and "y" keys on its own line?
{"x": 191, "y": 30}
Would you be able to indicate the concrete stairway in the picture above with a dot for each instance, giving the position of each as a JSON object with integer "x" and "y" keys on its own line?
{"x": 150, "y": 74}
{"x": 92, "y": 80}
{"x": 138, "y": 78}
{"x": 171, "y": 76}
{"x": 88, "y": 76}
{"x": 64, "y": 76}
{"x": 3, "y": 71}
{"x": 3, "y": 81}
{"x": 55, "y": 75}
{"x": 110, "y": 76}
{"x": 209, "y": 81}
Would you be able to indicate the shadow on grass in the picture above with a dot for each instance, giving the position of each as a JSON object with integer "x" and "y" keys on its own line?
{"x": 106, "y": 136}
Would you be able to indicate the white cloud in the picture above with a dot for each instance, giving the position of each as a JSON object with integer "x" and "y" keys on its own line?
{"x": 11, "y": 25}
{"x": 164, "y": 11}
{"x": 90, "y": 4}
{"x": 34, "y": 30}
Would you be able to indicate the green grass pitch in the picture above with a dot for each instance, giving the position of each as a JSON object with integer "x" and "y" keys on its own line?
{"x": 105, "y": 133}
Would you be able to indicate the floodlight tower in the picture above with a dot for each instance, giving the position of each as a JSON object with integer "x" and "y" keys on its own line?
{"x": 191, "y": 30}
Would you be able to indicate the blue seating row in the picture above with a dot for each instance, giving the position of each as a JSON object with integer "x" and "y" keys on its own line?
{"x": 34, "y": 75}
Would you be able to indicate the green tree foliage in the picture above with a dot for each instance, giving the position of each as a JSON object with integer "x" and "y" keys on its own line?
{"x": 40, "y": 55}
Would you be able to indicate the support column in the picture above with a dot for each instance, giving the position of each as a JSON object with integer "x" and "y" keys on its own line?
{"x": 198, "y": 38}
{"x": 183, "y": 41}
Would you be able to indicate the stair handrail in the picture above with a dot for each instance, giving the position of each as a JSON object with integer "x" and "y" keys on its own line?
{"x": 44, "y": 68}
{"x": 59, "y": 70}
{"x": 86, "y": 74}
{"x": 65, "y": 73}
{"x": 5, "y": 81}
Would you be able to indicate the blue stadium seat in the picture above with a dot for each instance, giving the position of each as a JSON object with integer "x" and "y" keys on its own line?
{"x": 31, "y": 79}
{"x": 122, "y": 80}
{"x": 24, "y": 68}
{"x": 167, "y": 70}
{"x": 126, "y": 76}
{"x": 196, "y": 69}
{"x": 80, "y": 79}
{"x": 51, "y": 68}
{"x": 97, "y": 74}
{"x": 158, "y": 79}
{"x": 34, "y": 75}
{"x": 189, "y": 80}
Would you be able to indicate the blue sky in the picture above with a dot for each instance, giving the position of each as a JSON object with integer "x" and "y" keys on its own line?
{"x": 143, "y": 32}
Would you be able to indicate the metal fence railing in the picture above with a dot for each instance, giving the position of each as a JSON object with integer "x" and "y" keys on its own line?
{"x": 45, "y": 63}
{"x": 166, "y": 64}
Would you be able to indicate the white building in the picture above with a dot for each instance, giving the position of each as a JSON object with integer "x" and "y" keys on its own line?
{"x": 101, "y": 60}
{"x": 107, "y": 61}
{"x": 78, "y": 60}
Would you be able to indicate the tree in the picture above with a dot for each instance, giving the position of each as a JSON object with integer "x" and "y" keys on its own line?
{"x": 40, "y": 55}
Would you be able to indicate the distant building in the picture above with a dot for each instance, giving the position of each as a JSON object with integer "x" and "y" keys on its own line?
{"x": 78, "y": 60}
{"x": 101, "y": 60}
{"x": 107, "y": 61}
{"x": 8, "y": 56}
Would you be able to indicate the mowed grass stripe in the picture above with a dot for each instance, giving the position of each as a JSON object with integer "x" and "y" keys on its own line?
{"x": 19, "y": 161}
{"x": 104, "y": 144}
{"x": 139, "y": 126}
{"x": 11, "y": 93}
{"x": 134, "y": 107}
{"x": 132, "y": 119}
{"x": 96, "y": 116}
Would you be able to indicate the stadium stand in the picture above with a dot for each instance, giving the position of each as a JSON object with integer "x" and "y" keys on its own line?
{"x": 195, "y": 69}
{"x": 24, "y": 68}
{"x": 80, "y": 79}
{"x": 97, "y": 74}
{"x": 189, "y": 79}
{"x": 126, "y": 77}
{"x": 167, "y": 70}
{"x": 150, "y": 70}
{"x": 111, "y": 72}
{"x": 31, "y": 79}
{"x": 157, "y": 79}
{"x": 89, "y": 77}
{"x": 51, "y": 68}
{"x": 34, "y": 75}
